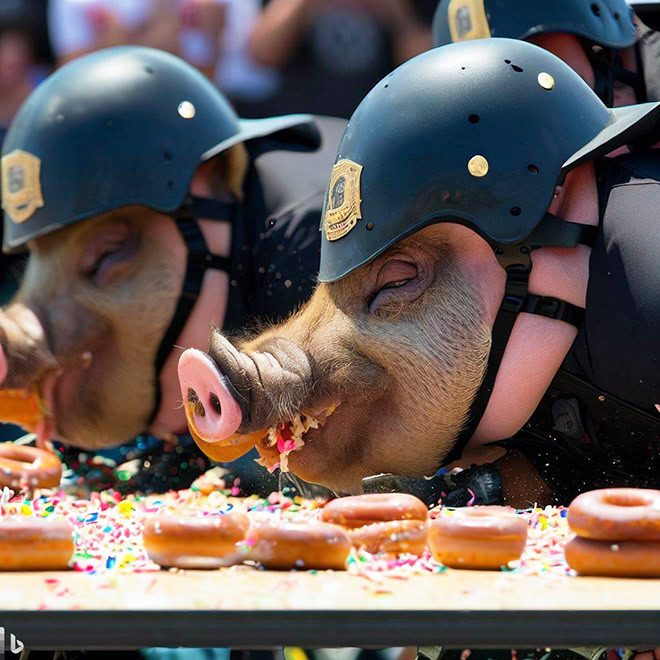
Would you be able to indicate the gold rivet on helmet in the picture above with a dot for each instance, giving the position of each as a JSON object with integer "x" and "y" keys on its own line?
{"x": 546, "y": 80}
{"x": 187, "y": 109}
{"x": 478, "y": 166}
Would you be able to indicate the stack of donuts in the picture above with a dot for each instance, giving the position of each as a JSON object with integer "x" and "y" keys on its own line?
{"x": 395, "y": 523}
{"x": 618, "y": 533}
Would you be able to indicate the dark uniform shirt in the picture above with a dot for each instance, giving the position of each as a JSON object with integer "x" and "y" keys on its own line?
{"x": 598, "y": 425}
{"x": 276, "y": 238}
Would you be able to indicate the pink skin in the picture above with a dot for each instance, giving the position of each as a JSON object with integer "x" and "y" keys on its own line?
{"x": 199, "y": 373}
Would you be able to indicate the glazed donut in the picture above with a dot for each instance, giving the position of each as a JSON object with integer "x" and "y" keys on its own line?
{"x": 620, "y": 559}
{"x": 35, "y": 544}
{"x": 394, "y": 536}
{"x": 195, "y": 541}
{"x": 480, "y": 537}
{"x": 616, "y": 514}
{"x": 299, "y": 545}
{"x": 29, "y": 466}
{"x": 360, "y": 510}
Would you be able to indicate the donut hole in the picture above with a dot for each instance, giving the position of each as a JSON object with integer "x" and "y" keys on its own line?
{"x": 626, "y": 499}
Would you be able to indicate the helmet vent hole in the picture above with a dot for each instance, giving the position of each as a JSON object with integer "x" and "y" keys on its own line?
{"x": 616, "y": 16}
{"x": 507, "y": 61}
{"x": 517, "y": 69}
{"x": 515, "y": 210}
{"x": 171, "y": 184}
{"x": 149, "y": 69}
{"x": 532, "y": 169}
{"x": 595, "y": 9}
{"x": 370, "y": 226}
{"x": 168, "y": 156}
{"x": 473, "y": 119}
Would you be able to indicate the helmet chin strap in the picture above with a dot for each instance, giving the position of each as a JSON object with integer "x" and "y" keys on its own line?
{"x": 200, "y": 259}
{"x": 516, "y": 261}
{"x": 608, "y": 69}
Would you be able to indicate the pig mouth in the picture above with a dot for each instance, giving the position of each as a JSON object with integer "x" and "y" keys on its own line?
{"x": 214, "y": 417}
{"x": 288, "y": 436}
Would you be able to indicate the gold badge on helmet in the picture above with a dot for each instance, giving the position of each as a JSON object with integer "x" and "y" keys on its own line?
{"x": 343, "y": 208}
{"x": 467, "y": 20}
{"x": 21, "y": 187}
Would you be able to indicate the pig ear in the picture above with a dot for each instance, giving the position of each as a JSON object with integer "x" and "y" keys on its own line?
{"x": 226, "y": 172}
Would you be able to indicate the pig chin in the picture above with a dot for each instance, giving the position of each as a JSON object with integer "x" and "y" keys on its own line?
{"x": 333, "y": 454}
{"x": 357, "y": 442}
{"x": 82, "y": 420}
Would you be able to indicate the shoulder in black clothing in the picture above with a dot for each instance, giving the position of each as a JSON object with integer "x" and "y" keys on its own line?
{"x": 276, "y": 241}
{"x": 617, "y": 348}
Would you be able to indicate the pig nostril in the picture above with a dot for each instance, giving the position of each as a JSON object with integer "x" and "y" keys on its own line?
{"x": 199, "y": 409}
{"x": 215, "y": 402}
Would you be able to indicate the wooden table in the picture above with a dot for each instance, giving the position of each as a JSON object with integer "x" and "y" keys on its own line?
{"x": 244, "y": 607}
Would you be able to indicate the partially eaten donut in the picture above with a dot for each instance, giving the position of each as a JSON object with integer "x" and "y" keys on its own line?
{"x": 22, "y": 407}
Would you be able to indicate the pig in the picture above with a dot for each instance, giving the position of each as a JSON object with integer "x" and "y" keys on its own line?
{"x": 374, "y": 345}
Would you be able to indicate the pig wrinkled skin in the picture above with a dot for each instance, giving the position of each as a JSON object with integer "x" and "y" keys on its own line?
{"x": 359, "y": 344}
{"x": 92, "y": 309}
{"x": 400, "y": 346}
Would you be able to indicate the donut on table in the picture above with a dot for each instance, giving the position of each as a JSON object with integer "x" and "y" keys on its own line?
{"x": 285, "y": 546}
{"x": 618, "y": 533}
{"x": 616, "y": 514}
{"x": 29, "y": 466}
{"x": 35, "y": 544}
{"x": 394, "y": 537}
{"x": 479, "y": 537}
{"x": 195, "y": 541}
{"x": 360, "y": 510}
{"x": 614, "y": 559}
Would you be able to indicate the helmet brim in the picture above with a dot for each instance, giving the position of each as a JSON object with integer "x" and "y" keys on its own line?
{"x": 628, "y": 124}
{"x": 256, "y": 128}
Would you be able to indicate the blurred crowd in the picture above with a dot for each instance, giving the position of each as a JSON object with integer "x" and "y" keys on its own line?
{"x": 269, "y": 56}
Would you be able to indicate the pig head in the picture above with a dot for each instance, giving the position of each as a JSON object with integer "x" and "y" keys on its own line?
{"x": 395, "y": 352}
{"x": 84, "y": 327}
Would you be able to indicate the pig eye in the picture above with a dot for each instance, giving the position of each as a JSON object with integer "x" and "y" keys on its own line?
{"x": 102, "y": 261}
{"x": 397, "y": 281}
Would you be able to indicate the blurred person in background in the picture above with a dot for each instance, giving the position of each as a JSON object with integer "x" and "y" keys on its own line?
{"x": 16, "y": 81}
{"x": 24, "y": 54}
{"x": 246, "y": 83}
{"x": 188, "y": 28}
{"x": 24, "y": 62}
{"x": 79, "y": 26}
{"x": 330, "y": 53}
